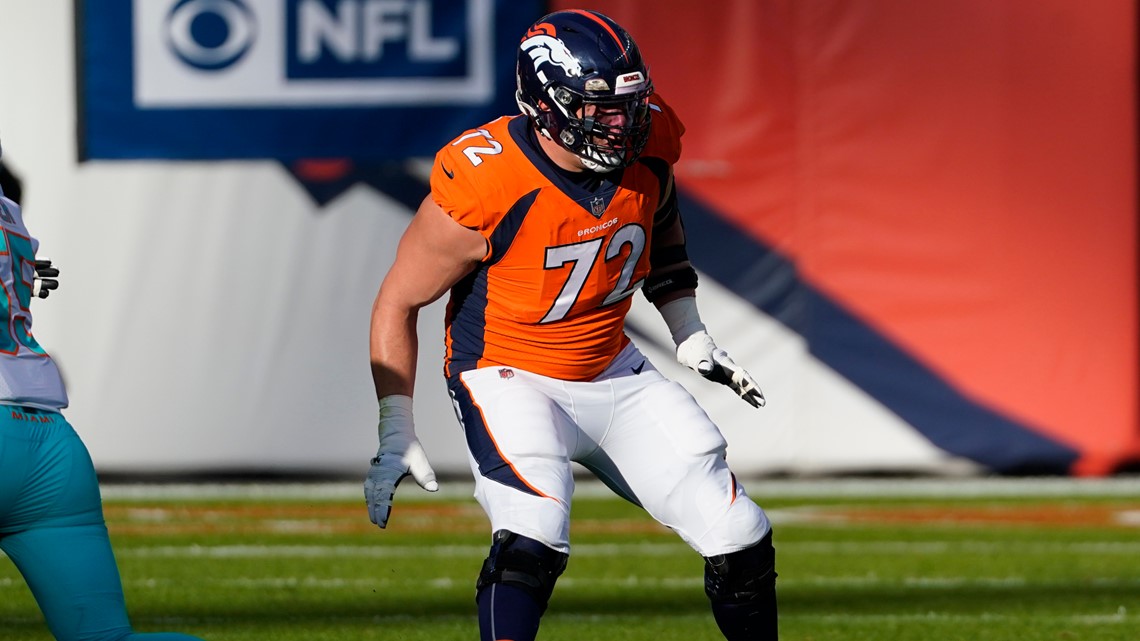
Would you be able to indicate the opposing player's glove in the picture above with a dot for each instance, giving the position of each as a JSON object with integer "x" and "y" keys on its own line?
{"x": 46, "y": 278}
{"x": 400, "y": 454}
{"x": 699, "y": 353}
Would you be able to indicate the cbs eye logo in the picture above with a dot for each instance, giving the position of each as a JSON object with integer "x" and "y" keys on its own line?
{"x": 210, "y": 34}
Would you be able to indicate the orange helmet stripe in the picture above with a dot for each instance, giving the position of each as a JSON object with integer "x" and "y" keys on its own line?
{"x": 595, "y": 18}
{"x": 542, "y": 28}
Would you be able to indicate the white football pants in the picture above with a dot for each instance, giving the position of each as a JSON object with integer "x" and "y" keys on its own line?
{"x": 641, "y": 434}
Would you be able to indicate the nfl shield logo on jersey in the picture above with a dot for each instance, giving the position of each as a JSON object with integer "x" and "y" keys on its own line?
{"x": 597, "y": 206}
{"x": 506, "y": 373}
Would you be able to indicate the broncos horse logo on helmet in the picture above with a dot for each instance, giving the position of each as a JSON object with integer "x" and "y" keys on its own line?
{"x": 575, "y": 64}
{"x": 544, "y": 49}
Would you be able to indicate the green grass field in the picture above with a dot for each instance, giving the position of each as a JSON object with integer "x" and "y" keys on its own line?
{"x": 949, "y": 562}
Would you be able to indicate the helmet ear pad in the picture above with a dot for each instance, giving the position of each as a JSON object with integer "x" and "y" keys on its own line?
{"x": 548, "y": 121}
{"x": 564, "y": 124}
{"x": 531, "y": 111}
{"x": 549, "y": 124}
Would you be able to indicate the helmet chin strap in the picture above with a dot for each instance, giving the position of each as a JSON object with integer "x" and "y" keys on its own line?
{"x": 594, "y": 165}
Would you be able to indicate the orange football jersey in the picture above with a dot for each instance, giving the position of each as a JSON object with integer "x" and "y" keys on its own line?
{"x": 563, "y": 258}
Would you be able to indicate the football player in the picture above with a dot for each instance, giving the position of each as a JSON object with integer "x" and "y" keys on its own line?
{"x": 51, "y": 514}
{"x": 542, "y": 226}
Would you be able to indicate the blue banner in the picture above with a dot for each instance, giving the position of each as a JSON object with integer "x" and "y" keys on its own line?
{"x": 372, "y": 80}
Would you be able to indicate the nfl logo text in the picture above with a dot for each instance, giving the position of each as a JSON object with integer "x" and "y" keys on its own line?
{"x": 291, "y": 53}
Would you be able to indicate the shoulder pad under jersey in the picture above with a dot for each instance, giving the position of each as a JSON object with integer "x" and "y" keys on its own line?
{"x": 665, "y": 132}
{"x": 472, "y": 172}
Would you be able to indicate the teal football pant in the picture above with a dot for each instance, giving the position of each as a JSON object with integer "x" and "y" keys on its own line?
{"x": 51, "y": 526}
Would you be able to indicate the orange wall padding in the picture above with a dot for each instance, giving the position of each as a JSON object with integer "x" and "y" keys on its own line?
{"x": 960, "y": 174}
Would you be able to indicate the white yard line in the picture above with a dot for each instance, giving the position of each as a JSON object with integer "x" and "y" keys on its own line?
{"x": 606, "y": 550}
{"x": 1121, "y": 615}
{"x": 758, "y": 488}
{"x": 380, "y": 550}
{"x": 639, "y": 582}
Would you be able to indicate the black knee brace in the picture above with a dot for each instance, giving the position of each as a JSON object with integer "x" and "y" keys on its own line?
{"x": 524, "y": 563}
{"x": 743, "y": 576}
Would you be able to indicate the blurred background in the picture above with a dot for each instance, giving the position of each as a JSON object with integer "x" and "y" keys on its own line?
{"x": 915, "y": 222}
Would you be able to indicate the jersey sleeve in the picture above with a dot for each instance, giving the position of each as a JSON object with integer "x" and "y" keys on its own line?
{"x": 453, "y": 189}
{"x": 665, "y": 132}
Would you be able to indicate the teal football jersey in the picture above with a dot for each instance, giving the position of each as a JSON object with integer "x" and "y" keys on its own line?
{"x": 28, "y": 376}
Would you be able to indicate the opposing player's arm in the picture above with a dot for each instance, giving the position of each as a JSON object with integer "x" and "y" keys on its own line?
{"x": 434, "y": 253}
{"x": 46, "y": 278}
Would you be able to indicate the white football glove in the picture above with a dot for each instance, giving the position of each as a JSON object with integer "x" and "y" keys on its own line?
{"x": 699, "y": 353}
{"x": 46, "y": 278}
{"x": 400, "y": 454}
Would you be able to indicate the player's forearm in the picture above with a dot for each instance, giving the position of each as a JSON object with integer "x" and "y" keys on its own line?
{"x": 672, "y": 296}
{"x": 394, "y": 350}
{"x": 681, "y": 315}
{"x": 671, "y": 275}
